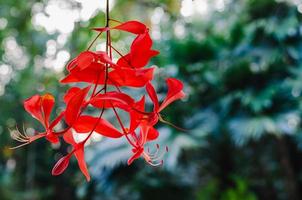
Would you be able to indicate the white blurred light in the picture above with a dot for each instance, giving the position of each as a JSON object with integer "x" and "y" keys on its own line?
{"x": 156, "y": 34}
{"x": 61, "y": 59}
{"x": 179, "y": 30}
{"x": 201, "y": 6}
{"x": 90, "y": 8}
{"x": 293, "y": 121}
{"x": 157, "y": 15}
{"x": 56, "y": 18}
{"x": 62, "y": 39}
{"x": 51, "y": 47}
{"x": 101, "y": 46}
{"x": 2, "y": 90}
{"x": 14, "y": 53}
{"x": 5, "y": 70}
{"x": 78, "y": 137}
{"x": 220, "y": 4}
{"x": 299, "y": 7}
{"x": 11, "y": 164}
{"x": 186, "y": 8}
{"x": 3, "y": 23}
{"x": 95, "y": 137}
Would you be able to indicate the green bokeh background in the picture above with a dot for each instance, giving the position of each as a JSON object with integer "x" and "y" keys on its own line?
{"x": 241, "y": 63}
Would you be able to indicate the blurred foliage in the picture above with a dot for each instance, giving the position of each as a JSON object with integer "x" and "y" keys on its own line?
{"x": 242, "y": 67}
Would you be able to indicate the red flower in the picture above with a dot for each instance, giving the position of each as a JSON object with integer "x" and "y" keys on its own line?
{"x": 40, "y": 108}
{"x": 106, "y": 80}
{"x": 77, "y": 151}
{"x": 146, "y": 121}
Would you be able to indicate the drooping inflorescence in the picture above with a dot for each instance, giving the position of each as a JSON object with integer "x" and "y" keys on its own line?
{"x": 98, "y": 71}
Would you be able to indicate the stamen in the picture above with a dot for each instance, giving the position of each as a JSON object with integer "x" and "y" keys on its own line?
{"x": 158, "y": 157}
{"x": 153, "y": 158}
{"x": 20, "y": 137}
{"x": 154, "y": 153}
{"x": 156, "y": 164}
{"x": 23, "y": 137}
{"x": 21, "y": 145}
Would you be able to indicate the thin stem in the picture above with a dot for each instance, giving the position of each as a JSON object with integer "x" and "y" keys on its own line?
{"x": 107, "y": 13}
{"x": 116, "y": 21}
{"x": 118, "y": 119}
{"x": 99, "y": 92}
{"x": 95, "y": 125}
{"x": 107, "y": 42}
{"x": 106, "y": 75}
{"x": 94, "y": 41}
{"x": 122, "y": 56}
{"x": 170, "y": 124}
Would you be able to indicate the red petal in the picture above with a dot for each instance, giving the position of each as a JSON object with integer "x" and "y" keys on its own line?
{"x": 135, "y": 156}
{"x": 74, "y": 105}
{"x": 135, "y": 116}
{"x": 112, "y": 99}
{"x": 72, "y": 64}
{"x": 144, "y": 132}
{"x": 152, "y": 94}
{"x": 70, "y": 93}
{"x": 104, "y": 58}
{"x": 51, "y": 137}
{"x": 40, "y": 107}
{"x": 61, "y": 165}
{"x": 86, "y": 124}
{"x": 125, "y": 61}
{"x": 141, "y": 51}
{"x": 68, "y": 138}
{"x": 132, "y": 27}
{"x": 85, "y": 59}
{"x": 79, "y": 153}
{"x": 94, "y": 73}
{"x": 48, "y": 102}
{"x": 142, "y": 42}
{"x": 152, "y": 134}
{"x": 80, "y": 156}
{"x": 141, "y": 59}
{"x": 131, "y": 77}
{"x": 174, "y": 92}
{"x": 119, "y": 76}
{"x": 33, "y": 106}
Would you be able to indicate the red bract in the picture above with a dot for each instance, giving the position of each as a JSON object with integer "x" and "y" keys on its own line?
{"x": 88, "y": 58}
{"x": 87, "y": 124}
{"x": 40, "y": 108}
{"x": 98, "y": 71}
{"x": 134, "y": 27}
{"x": 74, "y": 105}
{"x": 146, "y": 121}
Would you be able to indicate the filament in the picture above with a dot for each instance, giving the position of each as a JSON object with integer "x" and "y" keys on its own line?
{"x": 24, "y": 138}
{"x": 156, "y": 158}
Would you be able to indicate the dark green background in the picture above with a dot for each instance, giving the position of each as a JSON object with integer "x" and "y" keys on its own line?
{"x": 242, "y": 70}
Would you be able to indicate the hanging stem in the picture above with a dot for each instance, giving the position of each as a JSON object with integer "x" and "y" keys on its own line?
{"x": 88, "y": 48}
{"x": 106, "y": 75}
{"x": 107, "y": 42}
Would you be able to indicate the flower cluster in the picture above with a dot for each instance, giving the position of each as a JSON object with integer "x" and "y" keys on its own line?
{"x": 106, "y": 81}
